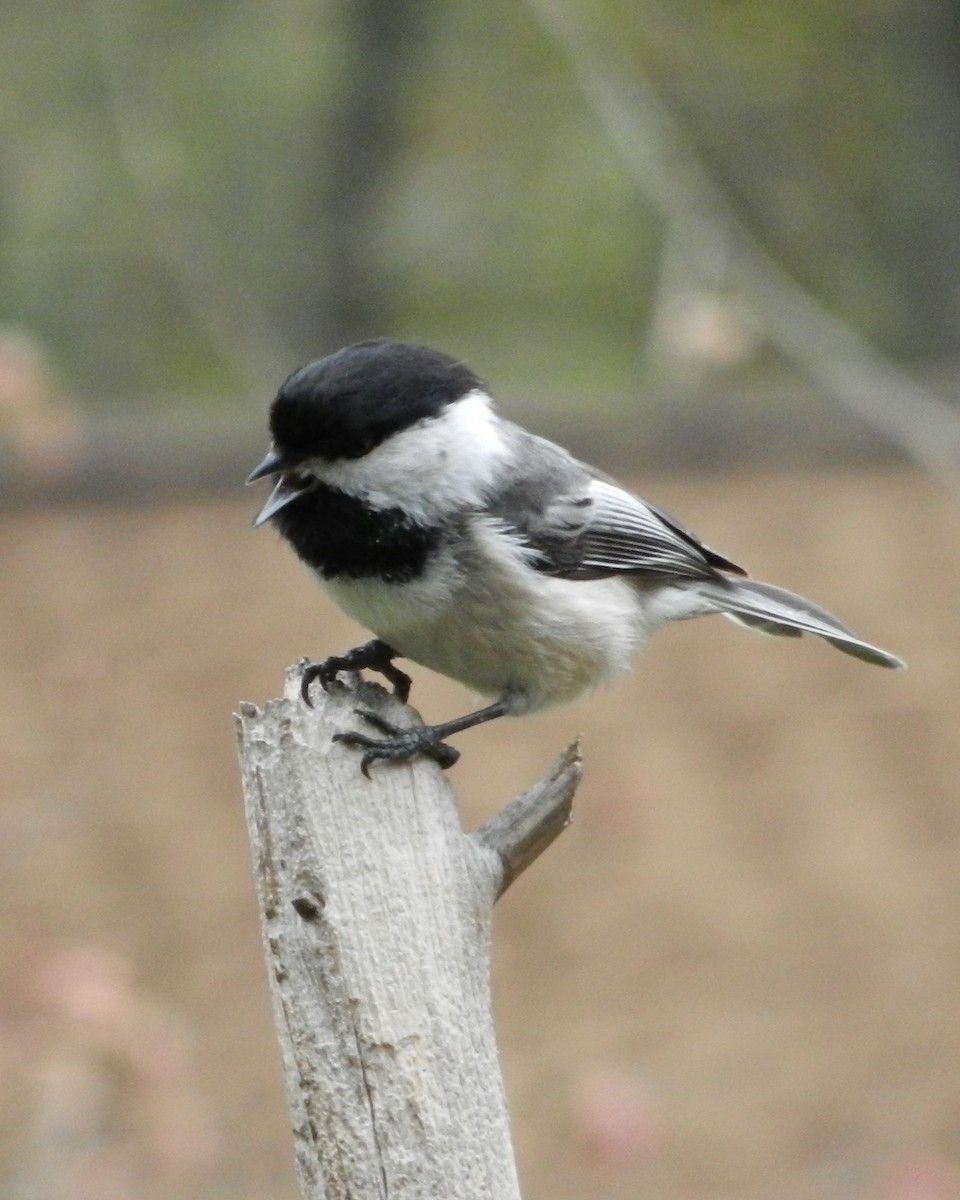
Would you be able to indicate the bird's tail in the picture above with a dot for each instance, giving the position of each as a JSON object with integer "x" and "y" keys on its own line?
{"x": 774, "y": 610}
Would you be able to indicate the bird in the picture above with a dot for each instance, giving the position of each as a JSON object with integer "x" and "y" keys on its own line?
{"x": 482, "y": 551}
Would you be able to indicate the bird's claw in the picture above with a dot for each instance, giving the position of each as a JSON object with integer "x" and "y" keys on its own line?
{"x": 399, "y": 744}
{"x": 375, "y": 656}
{"x": 325, "y": 671}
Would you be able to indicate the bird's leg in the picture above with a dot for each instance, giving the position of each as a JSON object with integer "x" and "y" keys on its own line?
{"x": 401, "y": 745}
{"x": 373, "y": 656}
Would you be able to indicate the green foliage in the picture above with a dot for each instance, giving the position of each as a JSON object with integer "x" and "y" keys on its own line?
{"x": 162, "y": 163}
{"x": 832, "y": 125}
{"x": 513, "y": 233}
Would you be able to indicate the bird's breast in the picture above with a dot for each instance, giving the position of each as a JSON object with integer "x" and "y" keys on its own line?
{"x": 480, "y": 614}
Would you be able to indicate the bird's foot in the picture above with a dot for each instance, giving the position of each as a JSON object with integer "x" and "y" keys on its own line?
{"x": 372, "y": 656}
{"x": 399, "y": 745}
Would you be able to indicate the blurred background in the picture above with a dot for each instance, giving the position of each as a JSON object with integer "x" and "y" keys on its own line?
{"x": 713, "y": 246}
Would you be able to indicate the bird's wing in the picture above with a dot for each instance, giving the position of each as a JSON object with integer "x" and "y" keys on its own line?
{"x": 580, "y": 525}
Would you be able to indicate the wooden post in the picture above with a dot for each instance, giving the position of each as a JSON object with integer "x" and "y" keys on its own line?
{"x": 376, "y": 911}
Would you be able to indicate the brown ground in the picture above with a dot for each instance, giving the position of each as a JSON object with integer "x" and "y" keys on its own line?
{"x": 738, "y": 974}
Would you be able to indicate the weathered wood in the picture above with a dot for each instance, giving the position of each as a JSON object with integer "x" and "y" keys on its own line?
{"x": 521, "y": 832}
{"x": 376, "y": 911}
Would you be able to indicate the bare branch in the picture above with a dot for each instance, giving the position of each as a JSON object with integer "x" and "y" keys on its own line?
{"x": 653, "y": 149}
{"x": 528, "y": 825}
{"x": 376, "y": 911}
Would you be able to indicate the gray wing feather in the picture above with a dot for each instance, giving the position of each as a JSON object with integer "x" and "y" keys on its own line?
{"x": 581, "y": 525}
{"x": 577, "y": 524}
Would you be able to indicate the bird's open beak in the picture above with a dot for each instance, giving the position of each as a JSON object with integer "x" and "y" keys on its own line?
{"x": 288, "y": 487}
{"x": 273, "y": 464}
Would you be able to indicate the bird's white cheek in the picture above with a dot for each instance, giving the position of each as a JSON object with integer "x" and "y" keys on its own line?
{"x": 439, "y": 466}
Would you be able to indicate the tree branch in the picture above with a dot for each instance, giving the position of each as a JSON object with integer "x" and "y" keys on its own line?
{"x": 521, "y": 832}
{"x": 659, "y": 159}
{"x": 376, "y": 912}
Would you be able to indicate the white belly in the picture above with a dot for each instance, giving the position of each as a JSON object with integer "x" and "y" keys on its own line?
{"x": 506, "y": 631}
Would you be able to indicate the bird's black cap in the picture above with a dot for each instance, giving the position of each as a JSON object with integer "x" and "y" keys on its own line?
{"x": 346, "y": 404}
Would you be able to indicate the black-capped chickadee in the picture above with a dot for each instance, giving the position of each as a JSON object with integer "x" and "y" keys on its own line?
{"x": 481, "y": 551}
